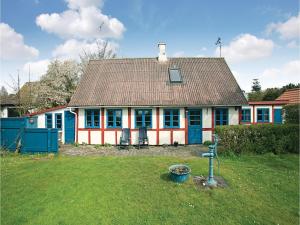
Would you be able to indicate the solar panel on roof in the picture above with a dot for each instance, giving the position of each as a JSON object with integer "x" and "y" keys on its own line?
{"x": 175, "y": 75}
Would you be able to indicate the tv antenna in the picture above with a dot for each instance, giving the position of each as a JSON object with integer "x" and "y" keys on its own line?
{"x": 219, "y": 42}
{"x": 100, "y": 27}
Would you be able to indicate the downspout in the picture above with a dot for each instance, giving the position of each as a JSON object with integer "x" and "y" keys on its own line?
{"x": 70, "y": 110}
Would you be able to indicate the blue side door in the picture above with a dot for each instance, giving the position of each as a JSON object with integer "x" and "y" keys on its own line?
{"x": 69, "y": 127}
{"x": 195, "y": 126}
{"x": 278, "y": 116}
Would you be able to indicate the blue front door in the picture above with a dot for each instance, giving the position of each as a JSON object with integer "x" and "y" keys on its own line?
{"x": 277, "y": 116}
{"x": 195, "y": 126}
{"x": 69, "y": 127}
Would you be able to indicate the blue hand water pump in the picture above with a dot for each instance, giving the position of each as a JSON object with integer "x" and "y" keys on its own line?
{"x": 211, "y": 154}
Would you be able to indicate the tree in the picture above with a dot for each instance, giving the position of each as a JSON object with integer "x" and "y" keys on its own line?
{"x": 270, "y": 94}
{"x": 3, "y": 92}
{"x": 58, "y": 84}
{"x": 256, "y": 85}
{"x": 104, "y": 51}
{"x": 255, "y": 96}
{"x": 290, "y": 86}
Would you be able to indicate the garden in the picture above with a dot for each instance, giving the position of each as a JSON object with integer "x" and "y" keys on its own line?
{"x": 48, "y": 189}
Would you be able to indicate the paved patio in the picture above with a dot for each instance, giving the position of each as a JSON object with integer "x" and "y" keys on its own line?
{"x": 86, "y": 150}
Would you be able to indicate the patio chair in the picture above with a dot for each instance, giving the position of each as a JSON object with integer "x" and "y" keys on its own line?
{"x": 143, "y": 138}
{"x": 125, "y": 138}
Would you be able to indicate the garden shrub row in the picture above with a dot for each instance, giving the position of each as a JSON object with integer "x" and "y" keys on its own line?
{"x": 260, "y": 138}
{"x": 292, "y": 114}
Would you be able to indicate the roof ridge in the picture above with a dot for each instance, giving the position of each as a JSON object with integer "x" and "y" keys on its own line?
{"x": 128, "y": 58}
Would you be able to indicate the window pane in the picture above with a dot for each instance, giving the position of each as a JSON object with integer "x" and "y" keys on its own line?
{"x": 195, "y": 122}
{"x": 148, "y": 117}
{"x": 110, "y": 113}
{"x": 139, "y": 118}
{"x": 148, "y": 124}
{"x": 96, "y": 118}
{"x": 217, "y": 122}
{"x": 167, "y": 118}
{"x": 266, "y": 115}
{"x": 167, "y": 123}
{"x": 110, "y": 123}
{"x": 259, "y": 117}
{"x": 167, "y": 112}
{"x": 118, "y": 113}
{"x": 110, "y": 118}
{"x": 138, "y": 112}
{"x": 58, "y": 121}
{"x": 176, "y": 112}
{"x": 175, "y": 123}
{"x": 118, "y": 123}
{"x": 139, "y": 124}
{"x": 49, "y": 121}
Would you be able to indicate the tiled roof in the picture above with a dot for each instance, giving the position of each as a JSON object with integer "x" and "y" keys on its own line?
{"x": 8, "y": 100}
{"x": 47, "y": 110}
{"x": 145, "y": 82}
{"x": 292, "y": 96}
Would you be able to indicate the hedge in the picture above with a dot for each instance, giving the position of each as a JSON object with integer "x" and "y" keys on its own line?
{"x": 259, "y": 138}
{"x": 292, "y": 114}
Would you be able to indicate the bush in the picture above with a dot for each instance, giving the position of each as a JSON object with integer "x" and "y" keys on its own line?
{"x": 207, "y": 143}
{"x": 292, "y": 113}
{"x": 260, "y": 139}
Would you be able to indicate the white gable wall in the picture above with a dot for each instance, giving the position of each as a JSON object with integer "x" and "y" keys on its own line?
{"x": 41, "y": 120}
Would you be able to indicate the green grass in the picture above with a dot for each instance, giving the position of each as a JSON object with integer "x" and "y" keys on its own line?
{"x": 135, "y": 190}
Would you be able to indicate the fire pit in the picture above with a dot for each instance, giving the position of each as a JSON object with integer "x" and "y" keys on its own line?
{"x": 179, "y": 173}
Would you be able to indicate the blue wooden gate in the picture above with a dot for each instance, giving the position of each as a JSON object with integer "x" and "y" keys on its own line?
{"x": 195, "y": 126}
{"x": 15, "y": 132}
{"x": 278, "y": 116}
{"x": 69, "y": 127}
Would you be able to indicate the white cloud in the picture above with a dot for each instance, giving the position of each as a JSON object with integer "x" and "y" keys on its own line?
{"x": 292, "y": 69}
{"x": 293, "y": 44}
{"x": 277, "y": 77}
{"x": 12, "y": 45}
{"x": 246, "y": 47}
{"x": 72, "y": 48}
{"x": 77, "y": 4}
{"x": 37, "y": 68}
{"x": 178, "y": 54}
{"x": 82, "y": 20}
{"x": 287, "y": 30}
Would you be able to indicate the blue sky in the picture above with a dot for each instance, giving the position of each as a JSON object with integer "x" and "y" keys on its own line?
{"x": 260, "y": 37}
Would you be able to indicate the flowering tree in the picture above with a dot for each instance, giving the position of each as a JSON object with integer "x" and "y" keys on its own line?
{"x": 58, "y": 84}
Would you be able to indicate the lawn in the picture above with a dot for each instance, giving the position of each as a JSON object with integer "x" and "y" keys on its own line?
{"x": 135, "y": 190}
